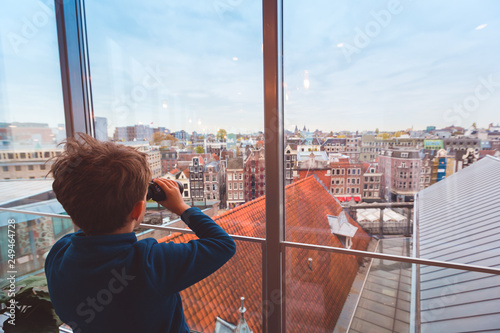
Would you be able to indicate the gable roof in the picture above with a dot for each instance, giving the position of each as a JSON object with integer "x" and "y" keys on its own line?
{"x": 235, "y": 163}
{"x": 459, "y": 221}
{"x": 316, "y": 292}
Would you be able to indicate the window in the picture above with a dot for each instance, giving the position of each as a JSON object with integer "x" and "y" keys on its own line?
{"x": 5, "y": 168}
{"x": 324, "y": 28}
{"x": 230, "y": 186}
{"x": 229, "y": 176}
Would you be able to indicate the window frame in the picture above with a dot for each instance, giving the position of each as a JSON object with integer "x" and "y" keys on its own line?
{"x": 79, "y": 117}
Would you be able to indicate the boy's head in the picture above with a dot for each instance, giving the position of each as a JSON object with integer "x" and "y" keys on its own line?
{"x": 98, "y": 183}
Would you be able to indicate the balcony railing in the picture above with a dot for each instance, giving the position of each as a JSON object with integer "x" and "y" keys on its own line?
{"x": 400, "y": 266}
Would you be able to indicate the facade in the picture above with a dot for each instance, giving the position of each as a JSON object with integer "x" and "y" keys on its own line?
{"x": 334, "y": 145}
{"x": 133, "y": 133}
{"x": 372, "y": 181}
{"x": 371, "y": 146}
{"x": 213, "y": 181}
{"x": 234, "y": 182}
{"x": 196, "y": 180}
{"x": 352, "y": 149}
{"x": 401, "y": 171}
{"x": 433, "y": 144}
{"x": 290, "y": 162}
{"x": 462, "y": 143}
{"x": 254, "y": 174}
{"x": 168, "y": 159}
{"x": 443, "y": 165}
{"x": 347, "y": 180}
{"x": 26, "y": 164}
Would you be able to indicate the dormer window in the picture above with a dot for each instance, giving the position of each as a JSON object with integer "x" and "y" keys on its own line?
{"x": 340, "y": 227}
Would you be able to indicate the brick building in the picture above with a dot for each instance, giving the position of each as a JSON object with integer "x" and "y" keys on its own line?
{"x": 347, "y": 179}
{"x": 401, "y": 171}
{"x": 254, "y": 174}
{"x": 234, "y": 182}
{"x": 372, "y": 181}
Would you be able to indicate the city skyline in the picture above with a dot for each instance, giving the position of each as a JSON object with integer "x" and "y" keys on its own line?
{"x": 343, "y": 69}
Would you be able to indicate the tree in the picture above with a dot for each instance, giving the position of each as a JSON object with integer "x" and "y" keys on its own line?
{"x": 221, "y": 134}
{"x": 377, "y": 131}
{"x": 474, "y": 125}
{"x": 199, "y": 150}
{"x": 158, "y": 137}
{"x": 171, "y": 138}
{"x": 331, "y": 133}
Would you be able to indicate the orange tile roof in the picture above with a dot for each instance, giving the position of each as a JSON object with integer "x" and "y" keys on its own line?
{"x": 314, "y": 297}
{"x": 321, "y": 174}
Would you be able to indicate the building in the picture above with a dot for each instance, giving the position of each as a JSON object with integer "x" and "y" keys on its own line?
{"x": 400, "y": 174}
{"x": 30, "y": 163}
{"x": 462, "y": 143}
{"x": 334, "y": 145}
{"x": 452, "y": 228}
{"x": 196, "y": 181}
{"x": 318, "y": 282}
{"x": 254, "y": 174}
{"x": 443, "y": 165}
{"x": 183, "y": 177}
{"x": 290, "y": 162}
{"x": 372, "y": 182}
{"x": 433, "y": 144}
{"x": 346, "y": 180}
{"x": 154, "y": 155}
{"x": 133, "y": 133}
{"x": 214, "y": 186}
{"x": 352, "y": 149}
{"x": 309, "y": 144}
{"x": 234, "y": 182}
{"x": 168, "y": 159}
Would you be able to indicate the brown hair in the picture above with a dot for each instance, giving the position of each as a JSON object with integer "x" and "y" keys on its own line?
{"x": 98, "y": 183}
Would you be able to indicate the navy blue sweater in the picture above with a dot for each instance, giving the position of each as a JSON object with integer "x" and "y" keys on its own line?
{"x": 114, "y": 283}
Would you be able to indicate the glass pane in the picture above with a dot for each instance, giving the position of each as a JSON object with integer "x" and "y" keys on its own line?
{"x": 32, "y": 238}
{"x": 391, "y": 111}
{"x": 342, "y": 293}
{"x": 184, "y": 82}
{"x": 32, "y": 115}
{"x": 31, "y": 125}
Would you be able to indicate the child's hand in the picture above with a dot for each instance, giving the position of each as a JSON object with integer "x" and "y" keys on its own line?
{"x": 174, "y": 201}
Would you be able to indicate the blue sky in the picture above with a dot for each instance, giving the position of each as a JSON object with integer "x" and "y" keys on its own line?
{"x": 349, "y": 65}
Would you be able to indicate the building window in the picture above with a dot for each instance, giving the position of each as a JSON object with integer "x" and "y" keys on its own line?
{"x": 18, "y": 168}
{"x": 5, "y": 168}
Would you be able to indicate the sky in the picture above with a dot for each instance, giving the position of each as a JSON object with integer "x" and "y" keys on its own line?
{"x": 348, "y": 65}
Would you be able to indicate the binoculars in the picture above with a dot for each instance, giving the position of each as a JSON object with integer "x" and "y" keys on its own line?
{"x": 156, "y": 193}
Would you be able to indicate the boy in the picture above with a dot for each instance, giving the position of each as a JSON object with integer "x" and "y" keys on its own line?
{"x": 101, "y": 279}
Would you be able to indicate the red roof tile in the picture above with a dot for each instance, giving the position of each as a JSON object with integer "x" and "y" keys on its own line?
{"x": 314, "y": 295}
{"x": 321, "y": 174}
